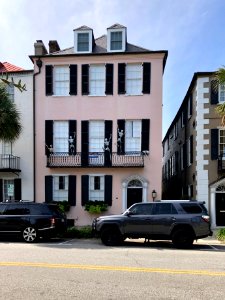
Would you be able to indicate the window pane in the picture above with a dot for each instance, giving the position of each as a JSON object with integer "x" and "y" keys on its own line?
{"x": 96, "y": 136}
{"x": 96, "y": 188}
{"x": 83, "y": 42}
{"x": 61, "y": 81}
{"x": 133, "y": 136}
{"x": 60, "y": 192}
{"x": 97, "y": 80}
{"x": 61, "y": 134}
{"x": 116, "y": 40}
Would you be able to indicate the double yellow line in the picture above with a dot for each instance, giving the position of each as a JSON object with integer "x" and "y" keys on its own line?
{"x": 111, "y": 268}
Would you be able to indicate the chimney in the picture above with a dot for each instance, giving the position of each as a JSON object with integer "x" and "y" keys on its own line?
{"x": 53, "y": 46}
{"x": 39, "y": 48}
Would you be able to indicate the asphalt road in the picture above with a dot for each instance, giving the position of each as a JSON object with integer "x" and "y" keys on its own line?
{"x": 85, "y": 269}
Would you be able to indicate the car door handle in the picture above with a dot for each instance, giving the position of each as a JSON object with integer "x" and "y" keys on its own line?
{"x": 173, "y": 219}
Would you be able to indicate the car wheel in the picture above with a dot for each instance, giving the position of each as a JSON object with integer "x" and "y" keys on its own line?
{"x": 183, "y": 239}
{"x": 111, "y": 237}
{"x": 30, "y": 234}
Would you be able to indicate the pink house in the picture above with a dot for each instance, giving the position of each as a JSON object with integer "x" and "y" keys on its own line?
{"x": 98, "y": 122}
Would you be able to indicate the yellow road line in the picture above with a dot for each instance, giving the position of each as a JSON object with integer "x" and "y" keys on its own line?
{"x": 111, "y": 268}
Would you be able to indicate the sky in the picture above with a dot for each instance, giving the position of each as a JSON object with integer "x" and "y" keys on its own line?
{"x": 193, "y": 32}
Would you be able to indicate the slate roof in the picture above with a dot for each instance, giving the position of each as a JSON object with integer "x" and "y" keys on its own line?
{"x": 116, "y": 26}
{"x": 84, "y": 27}
{"x": 6, "y": 67}
{"x": 101, "y": 47}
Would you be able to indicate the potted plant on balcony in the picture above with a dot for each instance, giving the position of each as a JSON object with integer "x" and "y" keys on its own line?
{"x": 96, "y": 207}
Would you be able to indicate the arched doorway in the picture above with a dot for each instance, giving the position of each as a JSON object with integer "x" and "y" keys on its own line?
{"x": 134, "y": 189}
{"x": 134, "y": 192}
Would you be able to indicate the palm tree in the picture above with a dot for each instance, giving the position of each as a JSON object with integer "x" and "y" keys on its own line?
{"x": 10, "y": 125}
{"x": 220, "y": 109}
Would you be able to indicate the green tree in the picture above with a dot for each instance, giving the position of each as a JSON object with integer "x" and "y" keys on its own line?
{"x": 10, "y": 125}
{"x": 220, "y": 109}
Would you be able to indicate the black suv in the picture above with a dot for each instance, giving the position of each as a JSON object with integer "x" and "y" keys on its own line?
{"x": 176, "y": 220}
{"x": 31, "y": 220}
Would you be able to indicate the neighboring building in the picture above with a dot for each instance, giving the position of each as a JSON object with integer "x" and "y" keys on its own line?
{"x": 98, "y": 122}
{"x": 16, "y": 159}
{"x": 194, "y": 148}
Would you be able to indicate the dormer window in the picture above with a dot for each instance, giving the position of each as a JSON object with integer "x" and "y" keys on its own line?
{"x": 116, "y": 38}
{"x": 83, "y": 40}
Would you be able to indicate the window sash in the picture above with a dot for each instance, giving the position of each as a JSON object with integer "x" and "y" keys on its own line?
{"x": 133, "y": 136}
{"x": 222, "y": 142}
{"x": 61, "y": 80}
{"x": 60, "y": 192}
{"x": 222, "y": 93}
{"x": 10, "y": 91}
{"x": 97, "y": 79}
{"x": 96, "y": 136}
{"x": 116, "y": 40}
{"x": 83, "y": 42}
{"x": 96, "y": 193}
{"x": 134, "y": 79}
{"x": 60, "y": 136}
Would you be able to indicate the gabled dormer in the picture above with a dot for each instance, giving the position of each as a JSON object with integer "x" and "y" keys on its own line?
{"x": 116, "y": 38}
{"x": 83, "y": 40}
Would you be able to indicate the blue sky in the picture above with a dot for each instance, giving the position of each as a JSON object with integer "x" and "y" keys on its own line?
{"x": 193, "y": 31}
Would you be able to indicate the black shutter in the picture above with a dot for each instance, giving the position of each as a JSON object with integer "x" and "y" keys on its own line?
{"x": 214, "y": 92}
{"x": 191, "y": 149}
{"x": 84, "y": 143}
{"x": 108, "y": 136}
{"x": 146, "y": 78}
{"x": 48, "y": 80}
{"x": 85, "y": 79}
{"x": 48, "y": 135}
{"x": 1, "y": 190}
{"x": 214, "y": 143}
{"x": 108, "y": 189}
{"x": 72, "y": 190}
{"x": 73, "y": 79}
{"x": 73, "y": 135}
{"x": 17, "y": 189}
{"x": 121, "y": 78}
{"x": 109, "y": 79}
{"x": 84, "y": 189}
{"x": 48, "y": 189}
{"x": 120, "y": 140}
{"x": 145, "y": 135}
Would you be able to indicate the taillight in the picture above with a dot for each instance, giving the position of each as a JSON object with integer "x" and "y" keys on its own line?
{"x": 206, "y": 218}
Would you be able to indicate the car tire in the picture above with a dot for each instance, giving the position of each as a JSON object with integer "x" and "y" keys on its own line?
{"x": 111, "y": 237}
{"x": 182, "y": 239}
{"x": 30, "y": 234}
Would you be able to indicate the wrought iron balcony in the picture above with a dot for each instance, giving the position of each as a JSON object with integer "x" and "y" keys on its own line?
{"x": 9, "y": 163}
{"x": 96, "y": 160}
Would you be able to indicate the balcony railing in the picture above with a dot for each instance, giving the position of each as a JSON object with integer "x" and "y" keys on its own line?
{"x": 9, "y": 163}
{"x": 95, "y": 160}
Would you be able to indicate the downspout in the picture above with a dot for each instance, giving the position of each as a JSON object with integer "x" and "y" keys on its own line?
{"x": 39, "y": 65}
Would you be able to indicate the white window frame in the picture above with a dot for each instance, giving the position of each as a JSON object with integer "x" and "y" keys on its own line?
{"x": 134, "y": 79}
{"x": 97, "y": 79}
{"x": 221, "y": 142}
{"x": 96, "y": 194}
{"x": 123, "y": 48}
{"x": 221, "y": 93}
{"x": 61, "y": 136}
{"x": 189, "y": 151}
{"x": 189, "y": 107}
{"x": 76, "y": 33}
{"x": 175, "y": 130}
{"x": 6, "y": 182}
{"x": 60, "y": 194}
{"x": 133, "y": 135}
{"x": 61, "y": 82}
{"x": 96, "y": 135}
